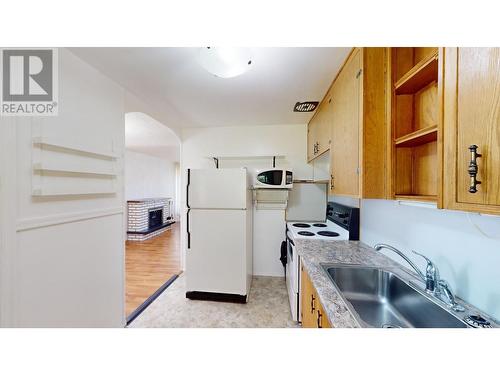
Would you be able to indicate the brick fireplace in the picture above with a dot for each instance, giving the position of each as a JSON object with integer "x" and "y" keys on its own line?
{"x": 147, "y": 218}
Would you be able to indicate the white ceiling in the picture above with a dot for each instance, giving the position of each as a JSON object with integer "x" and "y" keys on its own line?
{"x": 146, "y": 135}
{"x": 172, "y": 81}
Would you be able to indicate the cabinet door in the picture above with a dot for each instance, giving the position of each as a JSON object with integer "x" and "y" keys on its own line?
{"x": 325, "y": 125}
{"x": 312, "y": 139}
{"x": 346, "y": 119}
{"x": 472, "y": 117}
{"x": 308, "y": 301}
{"x": 322, "y": 320}
{"x": 318, "y": 132}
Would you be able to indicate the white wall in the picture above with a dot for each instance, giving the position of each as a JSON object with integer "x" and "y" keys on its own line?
{"x": 63, "y": 265}
{"x": 148, "y": 176}
{"x": 468, "y": 259}
{"x": 288, "y": 140}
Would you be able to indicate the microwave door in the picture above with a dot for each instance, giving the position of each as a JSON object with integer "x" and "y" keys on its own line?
{"x": 271, "y": 177}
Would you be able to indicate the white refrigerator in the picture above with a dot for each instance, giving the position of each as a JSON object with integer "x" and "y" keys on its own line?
{"x": 219, "y": 234}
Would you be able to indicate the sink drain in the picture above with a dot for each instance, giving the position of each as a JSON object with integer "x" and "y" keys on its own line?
{"x": 390, "y": 326}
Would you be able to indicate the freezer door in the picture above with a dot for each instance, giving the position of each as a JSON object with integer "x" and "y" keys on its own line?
{"x": 216, "y": 256}
{"x": 217, "y": 188}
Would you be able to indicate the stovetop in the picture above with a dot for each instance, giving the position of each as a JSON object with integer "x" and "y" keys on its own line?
{"x": 342, "y": 224}
{"x": 317, "y": 231}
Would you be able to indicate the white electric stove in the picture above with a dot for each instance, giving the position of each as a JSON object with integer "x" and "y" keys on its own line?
{"x": 342, "y": 224}
{"x": 317, "y": 231}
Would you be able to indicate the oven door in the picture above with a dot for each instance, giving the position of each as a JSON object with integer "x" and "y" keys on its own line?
{"x": 292, "y": 278}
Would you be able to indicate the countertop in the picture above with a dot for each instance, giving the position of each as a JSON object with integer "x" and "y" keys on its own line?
{"x": 315, "y": 252}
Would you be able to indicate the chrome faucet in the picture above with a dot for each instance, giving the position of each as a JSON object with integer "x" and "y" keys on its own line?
{"x": 433, "y": 283}
{"x": 381, "y": 246}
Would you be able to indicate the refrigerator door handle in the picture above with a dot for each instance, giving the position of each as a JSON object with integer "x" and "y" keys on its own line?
{"x": 187, "y": 187}
{"x": 187, "y": 230}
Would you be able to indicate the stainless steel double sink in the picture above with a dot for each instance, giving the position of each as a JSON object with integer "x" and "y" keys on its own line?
{"x": 380, "y": 298}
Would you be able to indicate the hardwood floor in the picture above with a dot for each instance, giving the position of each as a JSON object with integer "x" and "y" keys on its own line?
{"x": 149, "y": 264}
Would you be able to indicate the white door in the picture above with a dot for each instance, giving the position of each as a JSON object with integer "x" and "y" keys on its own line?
{"x": 217, "y": 188}
{"x": 216, "y": 252}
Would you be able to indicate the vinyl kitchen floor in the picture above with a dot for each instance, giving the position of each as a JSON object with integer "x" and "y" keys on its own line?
{"x": 267, "y": 308}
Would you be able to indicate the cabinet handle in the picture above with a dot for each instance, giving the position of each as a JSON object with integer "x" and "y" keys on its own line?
{"x": 473, "y": 169}
{"x": 187, "y": 229}
{"x": 318, "y": 320}
{"x": 331, "y": 182}
{"x": 312, "y": 304}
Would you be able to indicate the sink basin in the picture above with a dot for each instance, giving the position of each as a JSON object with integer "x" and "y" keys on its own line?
{"x": 382, "y": 299}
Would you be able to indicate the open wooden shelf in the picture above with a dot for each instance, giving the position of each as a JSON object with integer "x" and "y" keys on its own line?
{"x": 423, "y": 73}
{"x": 417, "y": 138}
{"x": 416, "y": 197}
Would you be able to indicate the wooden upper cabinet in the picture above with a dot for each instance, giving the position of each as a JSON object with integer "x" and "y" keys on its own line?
{"x": 358, "y": 130}
{"x": 318, "y": 131}
{"x": 471, "y": 116}
{"x": 344, "y": 158}
{"x": 311, "y": 140}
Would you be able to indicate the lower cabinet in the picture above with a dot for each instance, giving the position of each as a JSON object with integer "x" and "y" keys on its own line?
{"x": 313, "y": 314}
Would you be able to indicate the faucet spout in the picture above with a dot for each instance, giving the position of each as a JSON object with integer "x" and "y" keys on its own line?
{"x": 381, "y": 246}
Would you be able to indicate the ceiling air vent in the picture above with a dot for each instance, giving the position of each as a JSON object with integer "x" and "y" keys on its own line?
{"x": 305, "y": 106}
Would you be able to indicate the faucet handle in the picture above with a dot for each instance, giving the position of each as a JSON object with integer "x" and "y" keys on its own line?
{"x": 431, "y": 273}
{"x": 429, "y": 262}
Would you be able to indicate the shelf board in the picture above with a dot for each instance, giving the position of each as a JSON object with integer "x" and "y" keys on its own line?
{"x": 46, "y": 167}
{"x": 246, "y": 157}
{"x": 73, "y": 147}
{"x": 49, "y": 192}
{"x": 417, "y": 138}
{"x": 419, "y": 76}
{"x": 416, "y": 197}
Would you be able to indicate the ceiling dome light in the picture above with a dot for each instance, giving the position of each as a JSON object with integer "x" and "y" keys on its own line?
{"x": 225, "y": 62}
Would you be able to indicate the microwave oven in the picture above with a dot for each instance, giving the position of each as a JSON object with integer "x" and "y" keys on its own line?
{"x": 274, "y": 179}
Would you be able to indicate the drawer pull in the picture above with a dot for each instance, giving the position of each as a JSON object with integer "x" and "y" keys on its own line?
{"x": 473, "y": 168}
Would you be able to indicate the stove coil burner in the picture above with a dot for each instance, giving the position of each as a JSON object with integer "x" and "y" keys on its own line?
{"x": 301, "y": 225}
{"x": 319, "y": 225}
{"x": 477, "y": 321}
{"x": 306, "y": 233}
{"x": 328, "y": 233}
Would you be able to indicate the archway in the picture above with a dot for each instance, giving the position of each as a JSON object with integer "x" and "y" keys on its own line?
{"x": 152, "y": 247}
